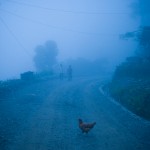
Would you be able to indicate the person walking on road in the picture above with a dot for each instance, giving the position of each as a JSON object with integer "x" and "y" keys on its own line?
{"x": 61, "y": 73}
{"x": 69, "y": 73}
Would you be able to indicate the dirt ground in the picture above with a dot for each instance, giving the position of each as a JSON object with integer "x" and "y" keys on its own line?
{"x": 44, "y": 116}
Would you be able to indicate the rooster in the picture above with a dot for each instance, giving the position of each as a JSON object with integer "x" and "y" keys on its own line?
{"x": 86, "y": 127}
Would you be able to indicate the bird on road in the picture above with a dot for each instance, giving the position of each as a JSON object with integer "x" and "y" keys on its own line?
{"x": 86, "y": 127}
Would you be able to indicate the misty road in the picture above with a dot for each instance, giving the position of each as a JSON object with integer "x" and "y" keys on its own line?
{"x": 54, "y": 125}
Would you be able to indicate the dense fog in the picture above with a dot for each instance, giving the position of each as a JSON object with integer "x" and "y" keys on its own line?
{"x": 74, "y": 75}
{"x": 87, "y": 30}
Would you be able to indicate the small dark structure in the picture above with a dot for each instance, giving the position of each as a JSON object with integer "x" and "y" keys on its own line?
{"x": 27, "y": 76}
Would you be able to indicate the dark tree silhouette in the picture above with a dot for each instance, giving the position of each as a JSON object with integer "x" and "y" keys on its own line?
{"x": 144, "y": 41}
{"x": 46, "y": 56}
{"x": 143, "y": 37}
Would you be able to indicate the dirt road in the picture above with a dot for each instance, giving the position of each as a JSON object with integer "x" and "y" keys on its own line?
{"x": 54, "y": 123}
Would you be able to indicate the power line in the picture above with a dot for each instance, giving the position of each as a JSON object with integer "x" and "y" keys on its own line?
{"x": 57, "y": 27}
{"x": 14, "y": 36}
{"x": 67, "y": 11}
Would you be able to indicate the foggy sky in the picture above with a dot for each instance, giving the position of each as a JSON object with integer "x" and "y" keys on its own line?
{"x": 144, "y": 11}
{"x": 87, "y": 28}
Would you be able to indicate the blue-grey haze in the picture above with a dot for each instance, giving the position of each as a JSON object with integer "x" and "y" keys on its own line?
{"x": 87, "y": 28}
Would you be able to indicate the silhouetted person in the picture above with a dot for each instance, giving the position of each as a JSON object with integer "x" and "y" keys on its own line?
{"x": 69, "y": 73}
{"x": 61, "y": 74}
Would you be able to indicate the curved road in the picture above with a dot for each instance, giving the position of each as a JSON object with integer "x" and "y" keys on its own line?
{"x": 54, "y": 125}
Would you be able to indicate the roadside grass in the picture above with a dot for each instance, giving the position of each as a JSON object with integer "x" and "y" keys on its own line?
{"x": 134, "y": 95}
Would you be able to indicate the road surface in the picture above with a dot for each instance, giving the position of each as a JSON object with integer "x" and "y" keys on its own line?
{"x": 54, "y": 123}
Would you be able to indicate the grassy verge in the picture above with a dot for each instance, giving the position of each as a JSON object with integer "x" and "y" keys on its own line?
{"x": 132, "y": 93}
